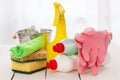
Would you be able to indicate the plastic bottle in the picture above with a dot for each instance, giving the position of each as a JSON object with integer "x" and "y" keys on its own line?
{"x": 60, "y": 24}
{"x": 63, "y": 63}
{"x": 66, "y": 47}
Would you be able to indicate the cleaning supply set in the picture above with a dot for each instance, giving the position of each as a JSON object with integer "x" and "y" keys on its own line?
{"x": 88, "y": 49}
{"x": 70, "y": 47}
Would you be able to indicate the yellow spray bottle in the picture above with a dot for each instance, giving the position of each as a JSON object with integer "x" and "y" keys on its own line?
{"x": 60, "y": 24}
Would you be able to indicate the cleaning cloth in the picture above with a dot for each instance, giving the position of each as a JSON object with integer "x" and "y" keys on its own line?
{"x": 27, "y": 48}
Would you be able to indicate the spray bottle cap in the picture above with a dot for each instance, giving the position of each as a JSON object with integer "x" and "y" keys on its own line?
{"x": 52, "y": 64}
{"x": 59, "y": 13}
{"x": 59, "y": 48}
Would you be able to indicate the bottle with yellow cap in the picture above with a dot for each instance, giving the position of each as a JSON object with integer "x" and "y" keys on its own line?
{"x": 60, "y": 24}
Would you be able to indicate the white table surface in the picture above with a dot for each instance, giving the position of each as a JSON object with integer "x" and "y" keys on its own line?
{"x": 110, "y": 71}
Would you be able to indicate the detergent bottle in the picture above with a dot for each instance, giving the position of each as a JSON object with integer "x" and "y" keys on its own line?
{"x": 66, "y": 47}
{"x": 60, "y": 24}
{"x": 63, "y": 63}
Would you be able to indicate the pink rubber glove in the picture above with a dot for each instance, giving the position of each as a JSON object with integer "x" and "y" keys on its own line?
{"x": 92, "y": 48}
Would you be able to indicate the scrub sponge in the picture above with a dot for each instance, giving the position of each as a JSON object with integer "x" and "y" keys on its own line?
{"x": 30, "y": 64}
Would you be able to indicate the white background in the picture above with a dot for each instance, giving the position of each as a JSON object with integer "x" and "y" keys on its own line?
{"x": 19, "y": 14}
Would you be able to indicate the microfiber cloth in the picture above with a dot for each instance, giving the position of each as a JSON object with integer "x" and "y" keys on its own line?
{"x": 27, "y": 48}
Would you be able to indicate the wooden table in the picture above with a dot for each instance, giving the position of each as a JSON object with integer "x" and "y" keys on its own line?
{"x": 110, "y": 71}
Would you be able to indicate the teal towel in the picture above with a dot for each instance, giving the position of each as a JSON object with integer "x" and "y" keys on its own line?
{"x": 27, "y": 48}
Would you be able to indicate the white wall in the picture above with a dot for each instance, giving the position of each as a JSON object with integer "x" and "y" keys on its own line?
{"x": 19, "y": 14}
{"x": 104, "y": 14}
{"x": 7, "y": 20}
{"x": 115, "y": 17}
{"x": 41, "y": 14}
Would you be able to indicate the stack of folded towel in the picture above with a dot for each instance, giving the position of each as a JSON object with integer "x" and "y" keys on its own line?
{"x": 29, "y": 57}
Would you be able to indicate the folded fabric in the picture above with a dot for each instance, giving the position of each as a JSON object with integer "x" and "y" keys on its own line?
{"x": 27, "y": 48}
{"x": 92, "y": 48}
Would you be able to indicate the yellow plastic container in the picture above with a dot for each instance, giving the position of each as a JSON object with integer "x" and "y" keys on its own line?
{"x": 46, "y": 33}
{"x": 60, "y": 24}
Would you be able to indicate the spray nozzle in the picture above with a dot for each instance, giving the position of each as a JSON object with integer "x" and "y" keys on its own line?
{"x": 59, "y": 13}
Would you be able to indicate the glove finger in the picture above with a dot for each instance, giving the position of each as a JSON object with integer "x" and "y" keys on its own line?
{"x": 78, "y": 40}
{"x": 78, "y": 44}
{"x": 103, "y": 49}
{"x": 94, "y": 70}
{"x": 79, "y": 37}
{"x": 81, "y": 69}
{"x": 86, "y": 52}
{"x": 93, "y": 57}
{"x": 102, "y": 53}
{"x": 101, "y": 56}
{"x": 81, "y": 59}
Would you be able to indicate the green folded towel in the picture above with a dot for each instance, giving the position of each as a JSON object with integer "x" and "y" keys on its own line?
{"x": 27, "y": 48}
